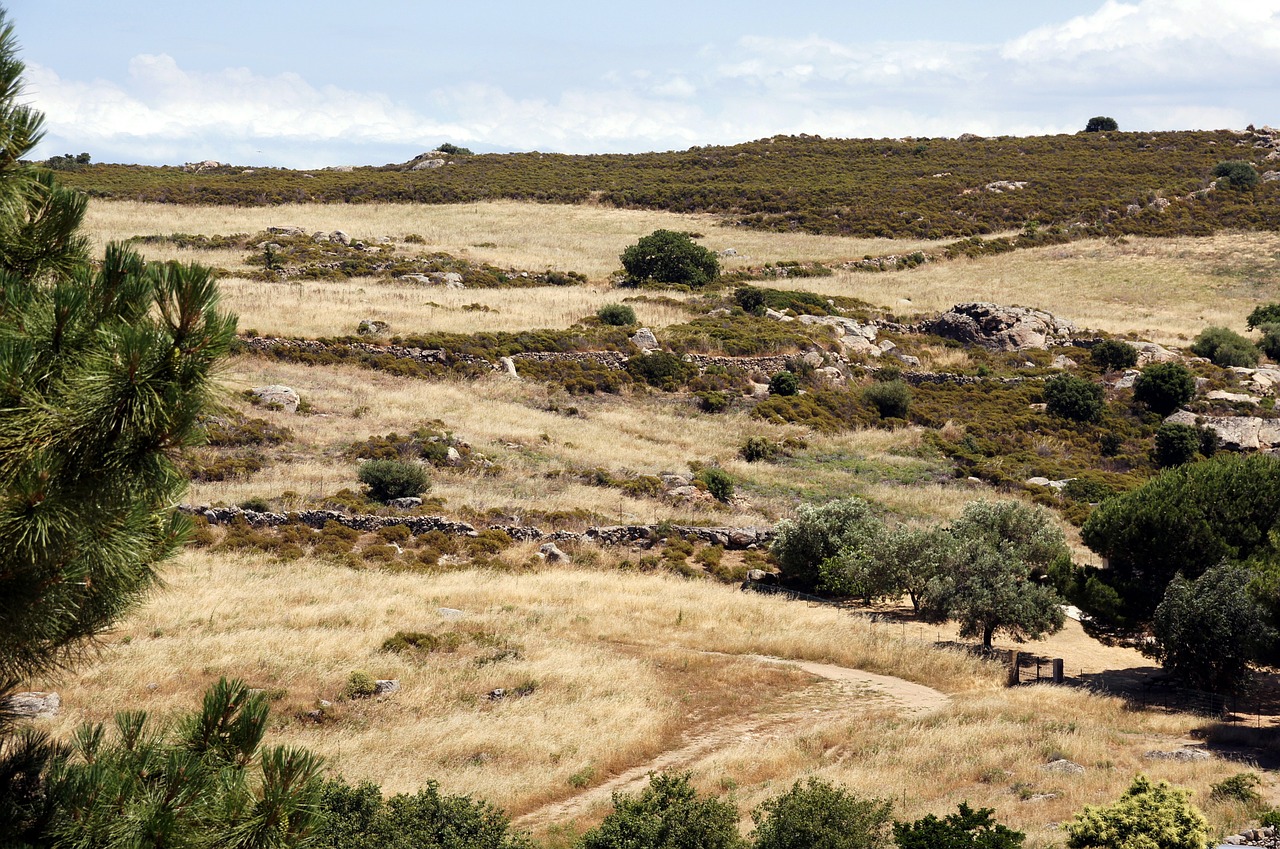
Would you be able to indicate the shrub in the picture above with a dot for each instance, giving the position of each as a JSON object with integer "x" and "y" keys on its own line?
{"x": 714, "y": 402}
{"x": 1164, "y": 387}
{"x": 1113, "y": 355}
{"x": 819, "y": 814}
{"x": 360, "y": 685}
{"x": 1269, "y": 344}
{"x": 1264, "y": 314}
{"x": 751, "y": 299}
{"x": 965, "y": 829}
{"x": 1176, "y": 444}
{"x": 665, "y": 256}
{"x": 1238, "y": 788}
{"x": 819, "y": 533}
{"x": 892, "y": 399}
{"x": 388, "y": 479}
{"x": 1073, "y": 398}
{"x": 453, "y": 149}
{"x": 1101, "y": 124}
{"x": 718, "y": 482}
{"x": 616, "y": 315}
{"x": 668, "y": 814}
{"x": 662, "y": 369}
{"x": 784, "y": 383}
{"x": 757, "y": 448}
{"x": 1153, "y": 816}
{"x": 1225, "y": 348}
{"x": 1236, "y": 174}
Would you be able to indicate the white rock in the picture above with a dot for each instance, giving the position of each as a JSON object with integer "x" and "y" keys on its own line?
{"x": 277, "y": 395}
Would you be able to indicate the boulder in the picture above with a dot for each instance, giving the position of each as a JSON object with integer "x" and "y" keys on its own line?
{"x": 1062, "y": 766}
{"x": 372, "y": 327}
{"x": 1063, "y": 361}
{"x": 1150, "y": 352}
{"x": 277, "y": 396}
{"x": 552, "y": 553}
{"x": 340, "y": 237}
{"x": 1001, "y": 328}
{"x": 769, "y": 312}
{"x": 1237, "y": 433}
{"x": 33, "y": 705}
{"x": 1237, "y": 397}
{"x": 645, "y": 340}
{"x": 427, "y": 165}
{"x": 384, "y": 686}
{"x": 407, "y": 503}
{"x": 508, "y": 367}
{"x": 1183, "y": 754}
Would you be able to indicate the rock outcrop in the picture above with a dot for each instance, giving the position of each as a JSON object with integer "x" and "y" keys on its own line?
{"x": 1001, "y": 328}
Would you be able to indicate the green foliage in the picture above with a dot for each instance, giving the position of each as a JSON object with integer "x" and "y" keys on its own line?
{"x": 965, "y": 829}
{"x": 670, "y": 258}
{"x": 388, "y": 479}
{"x": 1164, "y": 387}
{"x": 1101, "y": 124}
{"x": 663, "y": 369}
{"x": 1176, "y": 444}
{"x": 1238, "y": 788}
{"x": 892, "y": 399}
{"x": 1269, "y": 344}
{"x": 1113, "y": 355}
{"x": 817, "y": 534}
{"x": 361, "y": 818}
{"x": 360, "y": 685}
{"x": 1185, "y": 520}
{"x": 757, "y": 448}
{"x": 668, "y": 814}
{"x": 453, "y": 150}
{"x": 1236, "y": 174}
{"x": 617, "y": 315}
{"x": 890, "y": 563}
{"x": 1147, "y": 816}
{"x": 1225, "y": 348}
{"x": 820, "y": 815}
{"x": 719, "y": 482}
{"x": 1207, "y": 631}
{"x": 1263, "y": 314}
{"x": 784, "y": 383}
{"x": 202, "y": 782}
{"x": 751, "y": 299}
{"x": 1073, "y": 398}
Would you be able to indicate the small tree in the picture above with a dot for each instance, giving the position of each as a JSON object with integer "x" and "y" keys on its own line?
{"x": 1236, "y": 174}
{"x": 1073, "y": 398}
{"x": 1207, "y": 631}
{"x": 819, "y": 815}
{"x": 1164, "y": 387}
{"x": 388, "y": 479}
{"x": 718, "y": 482}
{"x": 1101, "y": 124}
{"x": 890, "y": 563}
{"x": 668, "y": 814}
{"x": 751, "y": 299}
{"x": 965, "y": 829}
{"x": 1151, "y": 816}
{"x": 1113, "y": 355}
{"x": 892, "y": 399}
{"x": 665, "y": 256}
{"x": 1269, "y": 344}
{"x": 817, "y": 534}
{"x": 1225, "y": 348}
{"x": 784, "y": 383}
{"x": 1264, "y": 314}
{"x": 616, "y": 315}
{"x": 1176, "y": 444}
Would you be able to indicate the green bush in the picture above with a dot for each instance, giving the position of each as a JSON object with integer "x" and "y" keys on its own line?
{"x": 1164, "y": 387}
{"x": 1113, "y": 355}
{"x": 662, "y": 369}
{"x": 666, "y": 256}
{"x": 668, "y": 814}
{"x": 360, "y": 685}
{"x": 892, "y": 399}
{"x": 1269, "y": 344}
{"x": 965, "y": 829}
{"x": 1225, "y": 348}
{"x": 453, "y": 149}
{"x": 1101, "y": 124}
{"x": 757, "y": 448}
{"x": 819, "y": 814}
{"x": 1264, "y": 314}
{"x": 617, "y": 315}
{"x": 718, "y": 482}
{"x": 1236, "y": 174}
{"x": 1238, "y": 788}
{"x": 388, "y": 479}
{"x": 751, "y": 299}
{"x": 1151, "y": 816}
{"x": 784, "y": 383}
{"x": 817, "y": 534}
{"x": 1073, "y": 398}
{"x": 1176, "y": 444}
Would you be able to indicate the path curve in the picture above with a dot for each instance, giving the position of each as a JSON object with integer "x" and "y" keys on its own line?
{"x": 906, "y": 695}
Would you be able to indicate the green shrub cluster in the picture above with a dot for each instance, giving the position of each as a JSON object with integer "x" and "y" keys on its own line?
{"x": 388, "y": 479}
{"x": 667, "y": 257}
{"x": 1225, "y": 348}
{"x": 617, "y": 315}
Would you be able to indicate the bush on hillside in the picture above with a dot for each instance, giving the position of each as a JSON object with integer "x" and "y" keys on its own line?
{"x": 784, "y": 383}
{"x": 665, "y": 256}
{"x": 817, "y": 534}
{"x": 388, "y": 479}
{"x": 718, "y": 482}
{"x": 820, "y": 814}
{"x": 1073, "y": 398}
{"x": 892, "y": 398}
{"x": 663, "y": 369}
{"x": 965, "y": 829}
{"x": 1264, "y": 314}
{"x": 1236, "y": 174}
{"x": 1176, "y": 444}
{"x": 1101, "y": 124}
{"x": 1269, "y": 344}
{"x": 1153, "y": 816}
{"x": 1164, "y": 387}
{"x": 616, "y": 315}
{"x": 1113, "y": 355}
{"x": 1225, "y": 348}
{"x": 668, "y": 814}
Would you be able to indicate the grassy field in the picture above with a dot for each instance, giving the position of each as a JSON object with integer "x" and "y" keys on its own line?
{"x": 613, "y": 665}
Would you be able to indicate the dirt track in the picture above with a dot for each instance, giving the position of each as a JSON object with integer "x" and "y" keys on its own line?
{"x": 839, "y": 687}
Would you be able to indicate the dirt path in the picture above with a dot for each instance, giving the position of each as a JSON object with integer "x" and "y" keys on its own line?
{"x": 839, "y": 688}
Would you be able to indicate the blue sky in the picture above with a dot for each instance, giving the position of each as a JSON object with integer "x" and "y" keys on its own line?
{"x": 323, "y": 83}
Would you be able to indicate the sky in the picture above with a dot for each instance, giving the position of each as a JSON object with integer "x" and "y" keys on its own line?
{"x": 310, "y": 84}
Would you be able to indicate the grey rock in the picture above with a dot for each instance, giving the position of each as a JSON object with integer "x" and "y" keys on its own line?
{"x": 1238, "y": 397}
{"x": 553, "y": 554}
{"x": 729, "y": 252}
{"x": 340, "y": 237}
{"x": 645, "y": 340}
{"x": 1127, "y": 380}
{"x": 372, "y": 327}
{"x": 1063, "y": 766}
{"x": 277, "y": 395}
{"x": 450, "y": 613}
{"x": 1063, "y": 361}
{"x": 384, "y": 686}
{"x": 427, "y": 165}
{"x": 34, "y": 705}
{"x": 287, "y": 231}
{"x": 1001, "y": 328}
{"x": 509, "y": 367}
{"x": 406, "y": 503}
{"x": 1184, "y": 754}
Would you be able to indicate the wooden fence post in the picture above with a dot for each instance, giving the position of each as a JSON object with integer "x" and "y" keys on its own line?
{"x": 1015, "y": 677}
{"x": 1057, "y": 670}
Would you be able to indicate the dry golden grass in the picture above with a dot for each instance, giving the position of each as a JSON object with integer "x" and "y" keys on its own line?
{"x": 1166, "y": 290}
{"x": 587, "y": 239}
